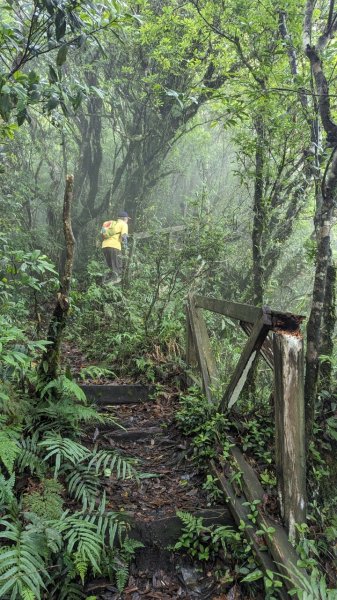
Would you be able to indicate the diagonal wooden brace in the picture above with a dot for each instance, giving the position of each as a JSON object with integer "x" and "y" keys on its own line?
{"x": 252, "y": 347}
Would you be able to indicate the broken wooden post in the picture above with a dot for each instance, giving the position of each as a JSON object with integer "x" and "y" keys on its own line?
{"x": 290, "y": 427}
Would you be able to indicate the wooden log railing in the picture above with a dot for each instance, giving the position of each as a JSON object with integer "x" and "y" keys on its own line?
{"x": 277, "y": 337}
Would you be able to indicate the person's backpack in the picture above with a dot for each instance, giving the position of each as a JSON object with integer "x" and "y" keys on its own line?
{"x": 109, "y": 229}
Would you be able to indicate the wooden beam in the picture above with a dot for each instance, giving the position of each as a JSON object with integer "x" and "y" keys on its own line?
{"x": 203, "y": 349}
{"x": 166, "y": 531}
{"x": 249, "y": 313}
{"x": 240, "y": 312}
{"x": 290, "y": 427}
{"x": 252, "y": 347}
{"x": 112, "y": 394}
{"x": 279, "y": 545}
{"x": 266, "y": 349}
{"x": 240, "y": 515}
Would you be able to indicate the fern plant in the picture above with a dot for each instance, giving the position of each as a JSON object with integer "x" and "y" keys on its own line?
{"x": 119, "y": 561}
{"x": 9, "y": 447}
{"x": 31, "y": 456}
{"x": 61, "y": 450}
{"x": 81, "y": 540}
{"x": 46, "y": 500}
{"x": 23, "y": 570}
{"x": 6, "y": 491}
{"x": 82, "y": 484}
{"x": 312, "y": 588}
{"x": 107, "y": 461}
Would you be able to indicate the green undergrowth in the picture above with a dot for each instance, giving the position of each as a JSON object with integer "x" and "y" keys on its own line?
{"x": 57, "y": 527}
{"x": 212, "y": 434}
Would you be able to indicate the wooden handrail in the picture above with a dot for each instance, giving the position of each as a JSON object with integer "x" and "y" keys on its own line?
{"x": 286, "y": 358}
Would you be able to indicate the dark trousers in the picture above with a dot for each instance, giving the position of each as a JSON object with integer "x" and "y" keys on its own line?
{"x": 113, "y": 258}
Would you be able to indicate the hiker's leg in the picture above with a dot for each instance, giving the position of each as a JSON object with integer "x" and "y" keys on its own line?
{"x": 108, "y": 257}
{"x": 117, "y": 264}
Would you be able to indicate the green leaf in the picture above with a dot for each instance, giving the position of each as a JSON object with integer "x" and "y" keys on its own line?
{"x": 62, "y": 55}
{"x": 53, "y": 77}
{"x": 60, "y": 24}
{"x": 254, "y": 576}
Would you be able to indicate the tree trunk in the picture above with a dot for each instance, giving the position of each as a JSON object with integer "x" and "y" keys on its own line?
{"x": 259, "y": 216}
{"x": 329, "y": 321}
{"x": 49, "y": 366}
{"x": 323, "y": 254}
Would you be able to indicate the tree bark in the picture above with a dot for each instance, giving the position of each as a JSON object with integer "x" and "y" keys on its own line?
{"x": 329, "y": 321}
{"x": 49, "y": 366}
{"x": 259, "y": 214}
{"x": 325, "y": 198}
{"x": 314, "y": 329}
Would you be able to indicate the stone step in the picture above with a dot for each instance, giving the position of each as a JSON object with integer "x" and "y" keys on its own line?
{"x": 112, "y": 394}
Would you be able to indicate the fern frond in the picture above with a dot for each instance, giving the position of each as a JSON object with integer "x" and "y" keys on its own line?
{"x": 95, "y": 372}
{"x": 9, "y": 447}
{"x": 189, "y": 521}
{"x": 45, "y": 501}
{"x": 63, "y": 450}
{"x": 122, "y": 576}
{"x": 6, "y": 490}
{"x": 107, "y": 523}
{"x": 106, "y": 461}
{"x": 130, "y": 545}
{"x": 81, "y": 565}
{"x": 30, "y": 456}
{"x": 81, "y": 538}
{"x": 65, "y": 387}
{"x": 64, "y": 414}
{"x": 82, "y": 484}
{"x": 27, "y": 594}
{"x": 22, "y": 565}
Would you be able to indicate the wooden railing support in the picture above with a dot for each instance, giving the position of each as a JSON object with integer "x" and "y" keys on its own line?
{"x": 290, "y": 427}
{"x": 283, "y": 350}
{"x": 202, "y": 347}
{"x": 252, "y": 347}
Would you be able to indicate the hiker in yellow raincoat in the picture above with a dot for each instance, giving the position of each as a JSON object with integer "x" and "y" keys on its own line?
{"x": 115, "y": 234}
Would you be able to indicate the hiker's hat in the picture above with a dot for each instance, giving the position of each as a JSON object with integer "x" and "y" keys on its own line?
{"x": 122, "y": 214}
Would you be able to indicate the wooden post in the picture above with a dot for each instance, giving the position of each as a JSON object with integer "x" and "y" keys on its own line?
{"x": 203, "y": 349}
{"x": 191, "y": 357}
{"x": 266, "y": 350}
{"x": 290, "y": 427}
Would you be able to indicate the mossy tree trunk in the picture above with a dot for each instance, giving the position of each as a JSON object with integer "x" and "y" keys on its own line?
{"x": 50, "y": 363}
{"x": 325, "y": 202}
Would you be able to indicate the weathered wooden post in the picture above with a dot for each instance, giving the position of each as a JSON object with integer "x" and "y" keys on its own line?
{"x": 191, "y": 357}
{"x": 290, "y": 426}
{"x": 201, "y": 344}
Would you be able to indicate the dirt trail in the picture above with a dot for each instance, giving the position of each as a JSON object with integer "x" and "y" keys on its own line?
{"x": 161, "y": 451}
